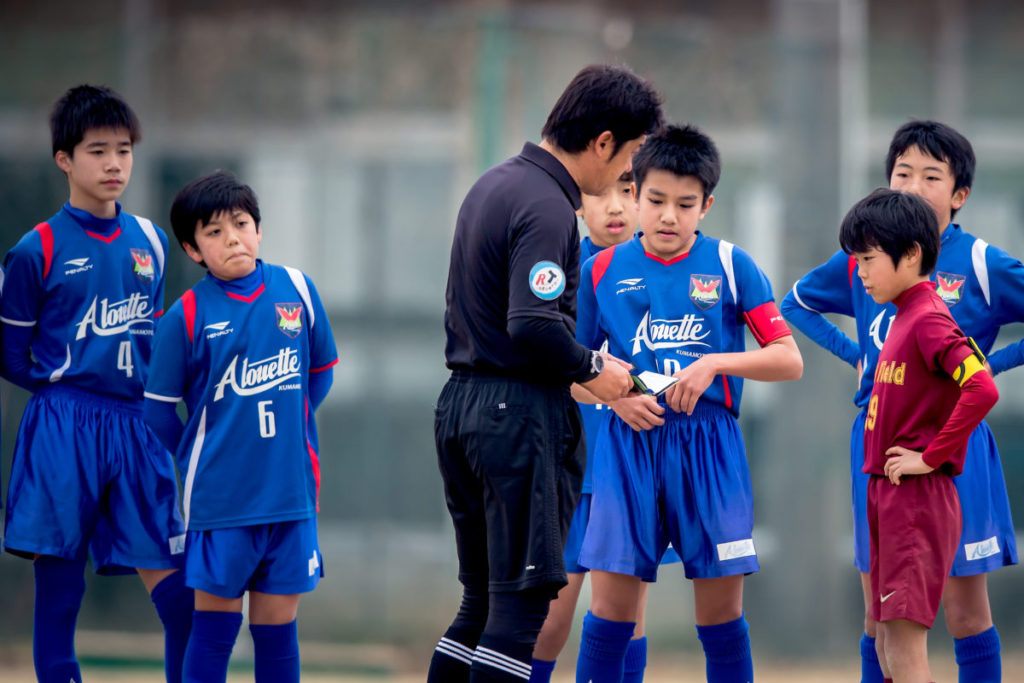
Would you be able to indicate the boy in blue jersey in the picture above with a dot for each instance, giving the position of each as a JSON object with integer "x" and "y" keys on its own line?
{"x": 675, "y": 301}
{"x": 249, "y": 349}
{"x": 83, "y": 292}
{"x": 611, "y": 219}
{"x": 984, "y": 289}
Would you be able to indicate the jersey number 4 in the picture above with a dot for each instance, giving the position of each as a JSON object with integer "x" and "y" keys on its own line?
{"x": 124, "y": 358}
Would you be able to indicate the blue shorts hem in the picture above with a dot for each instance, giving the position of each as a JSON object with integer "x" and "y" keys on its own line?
{"x": 722, "y": 571}
{"x": 213, "y": 589}
{"x": 29, "y": 549}
{"x": 986, "y": 566}
{"x": 627, "y": 569}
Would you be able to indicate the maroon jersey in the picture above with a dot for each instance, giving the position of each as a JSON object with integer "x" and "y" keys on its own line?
{"x": 915, "y": 402}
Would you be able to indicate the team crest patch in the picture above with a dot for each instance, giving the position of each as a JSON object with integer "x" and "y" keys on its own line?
{"x": 547, "y": 281}
{"x": 142, "y": 264}
{"x": 289, "y": 319}
{"x": 949, "y": 287}
{"x": 705, "y": 290}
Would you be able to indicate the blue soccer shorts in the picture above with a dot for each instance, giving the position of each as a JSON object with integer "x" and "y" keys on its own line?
{"x": 89, "y": 478}
{"x": 988, "y": 540}
{"x": 578, "y": 529}
{"x": 686, "y": 482}
{"x": 280, "y": 558}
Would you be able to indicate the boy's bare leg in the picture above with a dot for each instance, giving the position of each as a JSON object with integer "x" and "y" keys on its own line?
{"x": 966, "y": 606}
{"x": 616, "y": 597}
{"x": 272, "y": 610}
{"x": 555, "y": 632}
{"x": 870, "y": 625}
{"x": 151, "y": 577}
{"x": 905, "y": 644}
{"x": 717, "y": 601}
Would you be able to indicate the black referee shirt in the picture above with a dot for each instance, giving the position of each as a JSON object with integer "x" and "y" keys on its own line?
{"x": 515, "y": 254}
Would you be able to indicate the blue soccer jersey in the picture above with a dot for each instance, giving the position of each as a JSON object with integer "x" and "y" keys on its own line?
{"x": 592, "y": 413}
{"x": 249, "y": 452}
{"x": 663, "y": 315}
{"x": 90, "y": 290}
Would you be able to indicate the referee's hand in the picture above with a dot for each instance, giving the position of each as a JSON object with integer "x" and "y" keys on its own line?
{"x": 613, "y": 382}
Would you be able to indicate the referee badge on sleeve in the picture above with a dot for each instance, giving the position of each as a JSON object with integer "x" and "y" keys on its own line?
{"x": 547, "y": 280}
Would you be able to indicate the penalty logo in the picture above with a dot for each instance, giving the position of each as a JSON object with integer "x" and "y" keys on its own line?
{"x": 289, "y": 319}
{"x": 705, "y": 290}
{"x": 142, "y": 264}
{"x": 949, "y": 287}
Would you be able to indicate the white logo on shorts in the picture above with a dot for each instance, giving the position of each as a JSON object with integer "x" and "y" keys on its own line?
{"x": 982, "y": 549}
{"x": 887, "y": 596}
{"x": 736, "y": 549}
{"x": 177, "y": 544}
{"x": 314, "y": 564}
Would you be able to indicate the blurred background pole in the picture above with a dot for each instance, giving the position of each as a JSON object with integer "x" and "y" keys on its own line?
{"x": 808, "y": 576}
{"x": 138, "y": 39}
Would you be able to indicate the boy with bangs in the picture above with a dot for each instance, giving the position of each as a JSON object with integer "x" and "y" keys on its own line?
{"x": 983, "y": 287}
{"x": 83, "y": 292}
{"x": 611, "y": 219}
{"x": 671, "y": 301}
{"x": 930, "y": 391}
{"x": 249, "y": 349}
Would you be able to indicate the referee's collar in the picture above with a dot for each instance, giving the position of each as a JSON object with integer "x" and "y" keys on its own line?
{"x": 554, "y": 168}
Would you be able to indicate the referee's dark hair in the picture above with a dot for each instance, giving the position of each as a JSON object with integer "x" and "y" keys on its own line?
{"x": 939, "y": 141}
{"x": 682, "y": 150}
{"x": 603, "y": 97}
{"x": 892, "y": 222}
{"x": 204, "y": 198}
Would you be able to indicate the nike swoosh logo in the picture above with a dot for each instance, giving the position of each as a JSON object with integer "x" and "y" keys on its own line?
{"x": 886, "y": 597}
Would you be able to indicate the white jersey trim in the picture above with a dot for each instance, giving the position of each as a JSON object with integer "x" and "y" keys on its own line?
{"x": 796, "y": 295}
{"x": 725, "y": 254}
{"x": 154, "y": 241}
{"x": 299, "y": 280}
{"x": 193, "y": 464}
{"x": 159, "y": 397}
{"x": 981, "y": 267}
{"x": 56, "y": 375}
{"x": 17, "y": 323}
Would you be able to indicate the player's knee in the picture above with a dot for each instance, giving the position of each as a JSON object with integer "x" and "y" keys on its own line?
{"x": 473, "y": 608}
{"x": 518, "y": 616}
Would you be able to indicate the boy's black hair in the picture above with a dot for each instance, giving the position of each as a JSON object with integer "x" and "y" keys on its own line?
{"x": 682, "y": 150}
{"x": 205, "y": 197}
{"x": 88, "y": 107}
{"x": 603, "y": 97}
{"x": 936, "y": 140}
{"x": 893, "y": 222}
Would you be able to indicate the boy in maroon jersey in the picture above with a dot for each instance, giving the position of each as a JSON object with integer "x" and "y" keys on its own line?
{"x": 931, "y": 390}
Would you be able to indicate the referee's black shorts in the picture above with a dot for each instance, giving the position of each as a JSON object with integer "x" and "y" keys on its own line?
{"x": 511, "y": 454}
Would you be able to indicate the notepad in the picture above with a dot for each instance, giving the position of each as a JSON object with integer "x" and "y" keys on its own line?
{"x": 653, "y": 383}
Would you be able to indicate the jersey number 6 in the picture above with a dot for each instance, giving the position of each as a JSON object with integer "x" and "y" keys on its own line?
{"x": 267, "y": 426}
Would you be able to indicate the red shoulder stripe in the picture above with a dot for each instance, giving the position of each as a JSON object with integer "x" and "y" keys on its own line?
{"x": 601, "y": 263}
{"x": 46, "y": 237}
{"x": 188, "y": 305}
{"x": 851, "y": 265}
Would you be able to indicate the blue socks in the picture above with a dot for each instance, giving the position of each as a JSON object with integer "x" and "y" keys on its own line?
{"x": 636, "y": 661}
{"x": 870, "y": 669}
{"x": 978, "y": 657}
{"x": 541, "y": 671}
{"x": 603, "y": 647}
{"x": 727, "y": 651}
{"x": 209, "y": 646}
{"x": 174, "y": 602}
{"x": 276, "y": 649}
{"x": 60, "y": 585}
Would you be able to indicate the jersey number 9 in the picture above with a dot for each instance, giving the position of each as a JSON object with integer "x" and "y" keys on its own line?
{"x": 869, "y": 422}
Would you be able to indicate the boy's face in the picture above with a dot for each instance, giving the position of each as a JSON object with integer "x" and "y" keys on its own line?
{"x": 883, "y": 281}
{"x": 670, "y": 209}
{"x": 98, "y": 169}
{"x": 228, "y": 244}
{"x": 611, "y": 217}
{"x": 600, "y": 167}
{"x": 917, "y": 172}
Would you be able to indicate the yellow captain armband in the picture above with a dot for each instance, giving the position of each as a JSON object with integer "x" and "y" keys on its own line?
{"x": 967, "y": 369}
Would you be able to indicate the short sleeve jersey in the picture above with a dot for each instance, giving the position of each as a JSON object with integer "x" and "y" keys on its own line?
{"x": 923, "y": 350}
{"x": 663, "y": 315}
{"x": 592, "y": 413}
{"x": 249, "y": 451}
{"x": 982, "y": 285}
{"x": 515, "y": 253}
{"x": 92, "y": 289}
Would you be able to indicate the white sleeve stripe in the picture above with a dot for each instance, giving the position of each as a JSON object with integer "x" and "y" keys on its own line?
{"x": 796, "y": 295}
{"x": 193, "y": 465}
{"x": 17, "y": 323}
{"x": 299, "y": 280}
{"x": 725, "y": 254}
{"x": 161, "y": 397}
{"x": 981, "y": 267}
{"x": 154, "y": 241}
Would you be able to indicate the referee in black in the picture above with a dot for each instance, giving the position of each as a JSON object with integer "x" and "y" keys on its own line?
{"x": 508, "y": 433}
